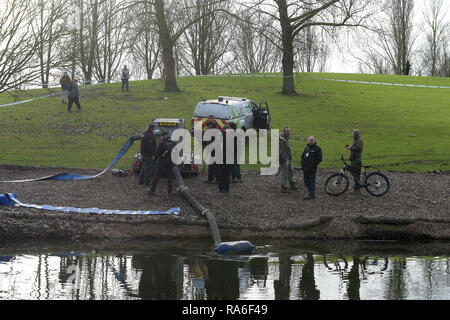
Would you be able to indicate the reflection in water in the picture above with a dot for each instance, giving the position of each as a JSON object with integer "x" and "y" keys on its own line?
{"x": 162, "y": 276}
{"x": 283, "y": 285}
{"x": 308, "y": 289}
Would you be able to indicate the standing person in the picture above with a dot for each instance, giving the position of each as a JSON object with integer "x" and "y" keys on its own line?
{"x": 163, "y": 161}
{"x": 356, "y": 150}
{"x": 148, "y": 149}
{"x": 407, "y": 68}
{"x": 311, "y": 158}
{"x": 212, "y": 166}
{"x": 125, "y": 77}
{"x": 74, "y": 95}
{"x": 287, "y": 170}
{"x": 65, "y": 82}
{"x": 235, "y": 167}
{"x": 223, "y": 170}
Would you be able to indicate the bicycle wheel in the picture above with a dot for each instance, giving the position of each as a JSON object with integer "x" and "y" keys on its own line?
{"x": 377, "y": 184}
{"x": 337, "y": 184}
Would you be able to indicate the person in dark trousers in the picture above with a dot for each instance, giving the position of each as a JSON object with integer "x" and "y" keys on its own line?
{"x": 356, "y": 150}
{"x": 74, "y": 95}
{"x": 212, "y": 166}
{"x": 223, "y": 170}
{"x": 125, "y": 77}
{"x": 407, "y": 68}
{"x": 65, "y": 82}
{"x": 311, "y": 158}
{"x": 148, "y": 149}
{"x": 163, "y": 162}
{"x": 235, "y": 167}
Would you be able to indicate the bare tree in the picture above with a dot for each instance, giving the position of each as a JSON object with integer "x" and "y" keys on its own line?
{"x": 88, "y": 21}
{"x": 168, "y": 38}
{"x": 388, "y": 44}
{"x": 208, "y": 39}
{"x": 112, "y": 40}
{"x": 434, "y": 53}
{"x": 312, "y": 49}
{"x": 48, "y": 28}
{"x": 294, "y": 16}
{"x": 252, "y": 51}
{"x": 144, "y": 45}
{"x": 17, "y": 44}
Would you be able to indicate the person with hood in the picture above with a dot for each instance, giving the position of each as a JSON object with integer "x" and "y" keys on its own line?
{"x": 65, "y": 82}
{"x": 287, "y": 169}
{"x": 356, "y": 150}
{"x": 74, "y": 95}
{"x": 148, "y": 149}
{"x": 311, "y": 158}
{"x": 163, "y": 163}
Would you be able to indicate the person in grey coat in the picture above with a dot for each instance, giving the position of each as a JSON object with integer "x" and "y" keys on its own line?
{"x": 74, "y": 95}
{"x": 125, "y": 77}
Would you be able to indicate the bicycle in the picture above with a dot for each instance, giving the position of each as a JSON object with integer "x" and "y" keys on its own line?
{"x": 376, "y": 183}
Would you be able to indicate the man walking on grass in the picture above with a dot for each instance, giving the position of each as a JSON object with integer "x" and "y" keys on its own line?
{"x": 74, "y": 95}
{"x": 311, "y": 158}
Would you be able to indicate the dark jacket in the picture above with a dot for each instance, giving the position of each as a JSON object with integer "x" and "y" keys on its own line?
{"x": 148, "y": 145}
{"x": 164, "y": 152}
{"x": 73, "y": 90}
{"x": 65, "y": 82}
{"x": 311, "y": 158}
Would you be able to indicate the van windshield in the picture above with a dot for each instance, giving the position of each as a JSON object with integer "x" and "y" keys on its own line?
{"x": 212, "y": 110}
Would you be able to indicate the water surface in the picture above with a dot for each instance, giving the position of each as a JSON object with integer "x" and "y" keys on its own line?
{"x": 180, "y": 270}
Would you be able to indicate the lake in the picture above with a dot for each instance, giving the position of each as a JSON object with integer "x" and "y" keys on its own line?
{"x": 190, "y": 270}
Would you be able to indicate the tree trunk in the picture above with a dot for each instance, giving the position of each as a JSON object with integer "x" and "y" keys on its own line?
{"x": 288, "y": 49}
{"x": 167, "y": 49}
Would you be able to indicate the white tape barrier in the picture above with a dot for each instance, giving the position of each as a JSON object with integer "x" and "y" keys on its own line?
{"x": 46, "y": 96}
{"x": 383, "y": 83}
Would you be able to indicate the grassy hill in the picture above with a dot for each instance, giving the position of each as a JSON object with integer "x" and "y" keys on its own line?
{"x": 404, "y": 128}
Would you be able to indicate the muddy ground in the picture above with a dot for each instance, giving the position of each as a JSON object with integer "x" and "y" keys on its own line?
{"x": 417, "y": 207}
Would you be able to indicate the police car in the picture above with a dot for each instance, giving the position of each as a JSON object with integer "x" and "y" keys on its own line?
{"x": 245, "y": 113}
{"x": 168, "y": 125}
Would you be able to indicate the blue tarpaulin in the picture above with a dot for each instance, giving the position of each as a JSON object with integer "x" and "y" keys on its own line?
{"x": 10, "y": 199}
{"x": 72, "y": 177}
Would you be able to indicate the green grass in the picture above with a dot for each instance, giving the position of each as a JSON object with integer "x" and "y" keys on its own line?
{"x": 404, "y": 128}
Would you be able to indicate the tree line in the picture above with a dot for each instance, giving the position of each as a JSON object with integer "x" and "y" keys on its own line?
{"x": 91, "y": 39}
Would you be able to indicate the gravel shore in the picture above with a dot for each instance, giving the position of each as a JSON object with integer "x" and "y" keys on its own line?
{"x": 254, "y": 208}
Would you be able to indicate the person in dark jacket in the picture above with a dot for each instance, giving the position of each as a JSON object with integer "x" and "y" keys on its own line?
{"x": 65, "y": 82}
{"x": 74, "y": 95}
{"x": 223, "y": 170}
{"x": 235, "y": 167}
{"x": 356, "y": 150}
{"x": 148, "y": 149}
{"x": 311, "y": 158}
{"x": 163, "y": 162}
{"x": 212, "y": 166}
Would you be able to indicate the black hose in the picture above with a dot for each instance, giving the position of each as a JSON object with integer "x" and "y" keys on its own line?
{"x": 198, "y": 206}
